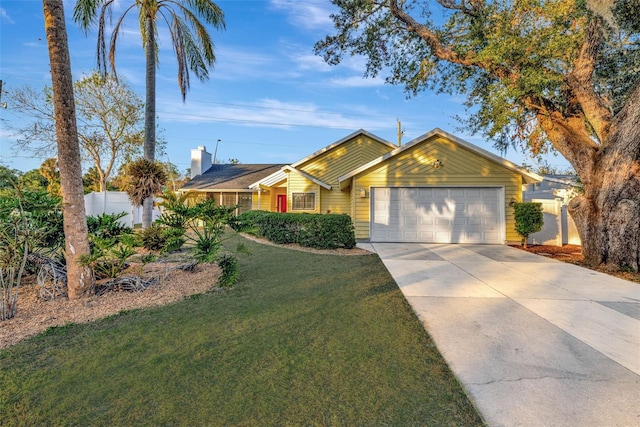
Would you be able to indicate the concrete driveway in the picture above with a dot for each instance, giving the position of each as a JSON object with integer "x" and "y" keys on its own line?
{"x": 535, "y": 342}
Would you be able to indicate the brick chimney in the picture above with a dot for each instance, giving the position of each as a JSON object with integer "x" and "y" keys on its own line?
{"x": 200, "y": 161}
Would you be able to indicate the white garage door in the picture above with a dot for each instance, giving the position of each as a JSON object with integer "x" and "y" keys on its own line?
{"x": 437, "y": 215}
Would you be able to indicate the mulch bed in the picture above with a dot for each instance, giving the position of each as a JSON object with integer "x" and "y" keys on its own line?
{"x": 573, "y": 254}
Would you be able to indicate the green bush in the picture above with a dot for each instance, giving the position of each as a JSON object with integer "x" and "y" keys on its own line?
{"x": 153, "y": 237}
{"x": 320, "y": 231}
{"x": 229, "y": 265}
{"x": 107, "y": 225}
{"x": 43, "y": 215}
{"x": 529, "y": 219}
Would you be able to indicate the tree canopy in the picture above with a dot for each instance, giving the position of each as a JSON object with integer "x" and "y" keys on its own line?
{"x": 537, "y": 74}
{"x": 110, "y": 122}
{"x": 191, "y": 41}
{"x": 514, "y": 60}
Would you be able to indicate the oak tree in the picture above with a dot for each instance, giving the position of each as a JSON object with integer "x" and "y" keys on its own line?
{"x": 538, "y": 75}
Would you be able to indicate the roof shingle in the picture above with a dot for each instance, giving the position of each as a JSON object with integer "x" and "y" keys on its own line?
{"x": 231, "y": 177}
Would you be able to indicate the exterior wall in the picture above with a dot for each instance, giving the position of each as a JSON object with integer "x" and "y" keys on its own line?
{"x": 263, "y": 202}
{"x": 335, "y": 201}
{"x": 413, "y": 168}
{"x": 344, "y": 158}
{"x": 296, "y": 183}
{"x": 329, "y": 166}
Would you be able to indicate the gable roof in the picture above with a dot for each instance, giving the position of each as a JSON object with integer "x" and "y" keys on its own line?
{"x": 230, "y": 177}
{"x": 280, "y": 175}
{"x": 529, "y": 177}
{"x": 342, "y": 141}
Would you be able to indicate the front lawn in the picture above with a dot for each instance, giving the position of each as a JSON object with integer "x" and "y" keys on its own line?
{"x": 301, "y": 339}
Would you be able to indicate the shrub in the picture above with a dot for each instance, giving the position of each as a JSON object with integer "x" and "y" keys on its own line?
{"x": 153, "y": 237}
{"x": 204, "y": 220}
{"x": 42, "y": 213}
{"x": 14, "y": 249}
{"x": 229, "y": 265}
{"x": 107, "y": 226}
{"x": 529, "y": 219}
{"x": 320, "y": 231}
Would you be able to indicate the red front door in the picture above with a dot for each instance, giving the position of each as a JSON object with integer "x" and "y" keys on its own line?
{"x": 282, "y": 203}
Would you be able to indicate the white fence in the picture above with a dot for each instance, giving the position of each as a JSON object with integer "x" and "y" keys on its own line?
{"x": 113, "y": 202}
{"x": 559, "y": 228}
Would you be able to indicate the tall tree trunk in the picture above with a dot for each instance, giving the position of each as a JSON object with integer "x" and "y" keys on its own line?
{"x": 79, "y": 278}
{"x": 608, "y": 215}
{"x": 149, "y": 147}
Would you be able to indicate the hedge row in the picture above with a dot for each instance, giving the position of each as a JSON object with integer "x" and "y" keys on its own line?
{"x": 320, "y": 231}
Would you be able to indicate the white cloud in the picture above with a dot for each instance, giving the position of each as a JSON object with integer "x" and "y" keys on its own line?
{"x": 269, "y": 113}
{"x": 4, "y": 16}
{"x": 308, "y": 14}
{"x": 356, "y": 81}
{"x": 310, "y": 62}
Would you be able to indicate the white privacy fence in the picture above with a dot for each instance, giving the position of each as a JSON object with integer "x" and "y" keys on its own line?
{"x": 113, "y": 202}
{"x": 559, "y": 228}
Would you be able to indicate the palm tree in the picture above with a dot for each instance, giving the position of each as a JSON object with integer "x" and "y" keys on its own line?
{"x": 191, "y": 42}
{"x": 79, "y": 277}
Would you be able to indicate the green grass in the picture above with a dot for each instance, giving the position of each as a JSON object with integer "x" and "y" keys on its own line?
{"x": 302, "y": 339}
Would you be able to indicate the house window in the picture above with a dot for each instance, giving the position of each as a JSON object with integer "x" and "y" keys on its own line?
{"x": 229, "y": 199}
{"x": 244, "y": 202}
{"x": 303, "y": 201}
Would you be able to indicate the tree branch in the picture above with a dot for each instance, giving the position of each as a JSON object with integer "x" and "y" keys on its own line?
{"x": 580, "y": 82}
{"x": 440, "y": 50}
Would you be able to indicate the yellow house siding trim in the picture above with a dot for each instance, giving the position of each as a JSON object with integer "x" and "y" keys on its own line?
{"x": 336, "y": 161}
{"x": 262, "y": 201}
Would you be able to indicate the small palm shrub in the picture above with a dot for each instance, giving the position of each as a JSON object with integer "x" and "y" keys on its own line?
{"x": 21, "y": 231}
{"x": 153, "y": 237}
{"x": 144, "y": 179}
{"x": 107, "y": 225}
{"x": 14, "y": 248}
{"x": 229, "y": 265}
{"x": 108, "y": 257}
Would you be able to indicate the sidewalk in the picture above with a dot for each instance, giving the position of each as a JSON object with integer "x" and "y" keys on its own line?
{"x": 535, "y": 342}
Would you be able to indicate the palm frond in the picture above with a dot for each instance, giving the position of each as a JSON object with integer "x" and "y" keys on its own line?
{"x": 178, "y": 38}
{"x": 84, "y": 13}
{"x": 205, "y": 44}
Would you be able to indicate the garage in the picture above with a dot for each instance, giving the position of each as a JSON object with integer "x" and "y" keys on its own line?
{"x": 438, "y": 214}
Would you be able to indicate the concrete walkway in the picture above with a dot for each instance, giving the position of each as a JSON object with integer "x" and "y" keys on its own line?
{"x": 535, "y": 342}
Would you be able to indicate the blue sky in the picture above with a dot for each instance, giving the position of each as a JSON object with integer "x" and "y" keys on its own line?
{"x": 269, "y": 98}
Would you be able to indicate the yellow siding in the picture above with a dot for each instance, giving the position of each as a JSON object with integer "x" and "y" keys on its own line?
{"x": 296, "y": 183}
{"x": 460, "y": 167}
{"x": 265, "y": 201}
{"x": 338, "y": 161}
{"x": 334, "y": 201}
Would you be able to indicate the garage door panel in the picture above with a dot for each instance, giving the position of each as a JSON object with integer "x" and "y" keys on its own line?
{"x": 439, "y": 215}
{"x": 426, "y": 220}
